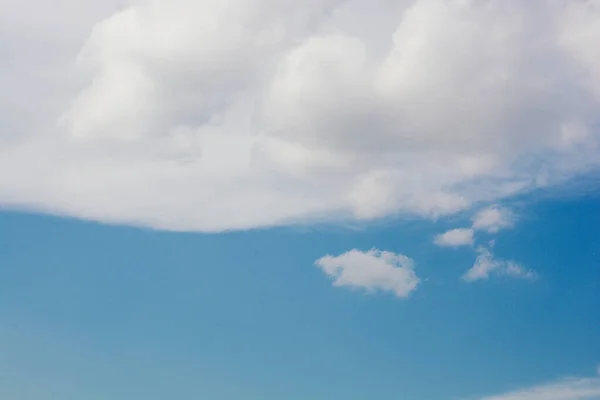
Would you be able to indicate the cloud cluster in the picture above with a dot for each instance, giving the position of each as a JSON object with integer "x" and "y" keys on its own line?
{"x": 373, "y": 270}
{"x": 491, "y": 219}
{"x": 211, "y": 115}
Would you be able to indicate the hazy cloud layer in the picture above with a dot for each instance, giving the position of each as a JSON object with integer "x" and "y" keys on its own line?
{"x": 211, "y": 115}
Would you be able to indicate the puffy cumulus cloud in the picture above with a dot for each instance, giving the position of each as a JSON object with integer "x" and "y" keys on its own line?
{"x": 373, "y": 270}
{"x": 486, "y": 265}
{"x": 163, "y": 64}
{"x": 493, "y": 219}
{"x": 567, "y": 389}
{"x": 455, "y": 238}
{"x": 211, "y": 115}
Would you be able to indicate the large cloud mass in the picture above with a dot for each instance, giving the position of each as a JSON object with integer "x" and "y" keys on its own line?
{"x": 211, "y": 115}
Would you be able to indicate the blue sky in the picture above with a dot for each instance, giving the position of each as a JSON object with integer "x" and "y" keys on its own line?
{"x": 299, "y": 199}
{"x": 93, "y": 311}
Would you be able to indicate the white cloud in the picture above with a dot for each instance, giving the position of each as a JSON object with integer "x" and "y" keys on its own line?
{"x": 455, "y": 238}
{"x": 486, "y": 265}
{"x": 372, "y": 270}
{"x": 211, "y": 115}
{"x": 568, "y": 389}
{"x": 493, "y": 219}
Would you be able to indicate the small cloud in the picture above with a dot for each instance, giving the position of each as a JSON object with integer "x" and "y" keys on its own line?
{"x": 486, "y": 265}
{"x": 372, "y": 270}
{"x": 598, "y": 370}
{"x": 515, "y": 270}
{"x": 455, "y": 238}
{"x": 493, "y": 219}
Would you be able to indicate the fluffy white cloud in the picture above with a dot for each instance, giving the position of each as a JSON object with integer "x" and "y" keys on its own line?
{"x": 210, "y": 115}
{"x": 493, "y": 219}
{"x": 486, "y": 265}
{"x": 372, "y": 270}
{"x": 455, "y": 238}
{"x": 568, "y": 389}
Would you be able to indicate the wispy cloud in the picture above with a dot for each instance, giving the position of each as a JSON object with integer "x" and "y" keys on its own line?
{"x": 567, "y": 389}
{"x": 373, "y": 270}
{"x": 493, "y": 219}
{"x": 487, "y": 265}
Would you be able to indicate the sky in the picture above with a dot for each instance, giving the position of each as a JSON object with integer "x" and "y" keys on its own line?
{"x": 315, "y": 199}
